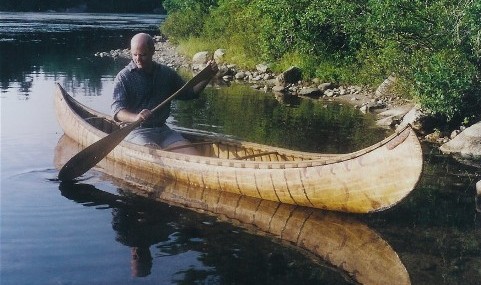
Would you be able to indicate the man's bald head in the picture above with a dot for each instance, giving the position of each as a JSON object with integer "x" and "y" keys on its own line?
{"x": 143, "y": 39}
{"x": 142, "y": 49}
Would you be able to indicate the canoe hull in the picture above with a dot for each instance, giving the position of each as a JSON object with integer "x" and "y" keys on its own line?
{"x": 368, "y": 180}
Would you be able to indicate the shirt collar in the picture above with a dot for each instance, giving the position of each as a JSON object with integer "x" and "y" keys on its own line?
{"x": 132, "y": 66}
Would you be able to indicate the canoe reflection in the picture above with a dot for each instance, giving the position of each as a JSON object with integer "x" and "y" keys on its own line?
{"x": 339, "y": 240}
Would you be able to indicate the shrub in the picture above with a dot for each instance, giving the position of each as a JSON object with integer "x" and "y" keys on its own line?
{"x": 434, "y": 47}
{"x": 443, "y": 81}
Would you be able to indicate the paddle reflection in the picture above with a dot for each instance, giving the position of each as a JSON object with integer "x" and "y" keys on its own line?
{"x": 340, "y": 241}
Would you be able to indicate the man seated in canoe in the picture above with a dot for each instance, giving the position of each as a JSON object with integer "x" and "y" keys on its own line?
{"x": 142, "y": 85}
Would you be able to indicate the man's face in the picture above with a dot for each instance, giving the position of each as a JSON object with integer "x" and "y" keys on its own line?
{"x": 142, "y": 56}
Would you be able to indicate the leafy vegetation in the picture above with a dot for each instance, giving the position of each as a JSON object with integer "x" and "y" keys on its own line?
{"x": 434, "y": 47}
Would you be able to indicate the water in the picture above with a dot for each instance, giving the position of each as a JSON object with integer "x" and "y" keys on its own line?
{"x": 99, "y": 232}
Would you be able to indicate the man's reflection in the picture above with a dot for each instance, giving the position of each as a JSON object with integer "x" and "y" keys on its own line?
{"x": 137, "y": 226}
{"x": 139, "y": 230}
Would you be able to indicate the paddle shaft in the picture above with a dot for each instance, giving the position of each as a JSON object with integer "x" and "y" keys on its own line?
{"x": 93, "y": 154}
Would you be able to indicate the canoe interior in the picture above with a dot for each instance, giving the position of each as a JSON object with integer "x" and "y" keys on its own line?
{"x": 208, "y": 145}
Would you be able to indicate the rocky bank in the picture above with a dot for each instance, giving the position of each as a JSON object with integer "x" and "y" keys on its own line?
{"x": 392, "y": 111}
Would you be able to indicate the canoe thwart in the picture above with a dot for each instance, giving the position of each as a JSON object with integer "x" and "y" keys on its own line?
{"x": 257, "y": 155}
{"x": 188, "y": 145}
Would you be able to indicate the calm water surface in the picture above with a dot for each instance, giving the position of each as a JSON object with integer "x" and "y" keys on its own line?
{"x": 98, "y": 232}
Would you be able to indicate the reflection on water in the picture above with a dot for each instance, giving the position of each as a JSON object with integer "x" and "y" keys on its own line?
{"x": 339, "y": 241}
{"x": 60, "y": 45}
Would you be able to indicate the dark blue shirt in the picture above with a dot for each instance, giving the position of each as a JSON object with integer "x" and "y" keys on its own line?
{"x": 135, "y": 90}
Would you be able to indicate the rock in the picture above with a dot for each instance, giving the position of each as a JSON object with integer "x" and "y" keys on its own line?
{"x": 223, "y": 71}
{"x": 310, "y": 92}
{"x": 227, "y": 77}
{"x": 159, "y": 38}
{"x": 240, "y": 75}
{"x": 263, "y": 68}
{"x": 291, "y": 75}
{"x": 219, "y": 55}
{"x": 364, "y": 109}
{"x": 433, "y": 137}
{"x": 390, "y": 118}
{"x": 278, "y": 88}
{"x": 467, "y": 143}
{"x": 324, "y": 86}
{"x": 414, "y": 117}
{"x": 478, "y": 188}
{"x": 267, "y": 76}
{"x": 388, "y": 122}
{"x": 201, "y": 57}
{"x": 386, "y": 86}
{"x": 372, "y": 106}
{"x": 454, "y": 134}
{"x": 329, "y": 92}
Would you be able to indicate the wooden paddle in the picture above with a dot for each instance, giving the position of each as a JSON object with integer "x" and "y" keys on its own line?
{"x": 90, "y": 156}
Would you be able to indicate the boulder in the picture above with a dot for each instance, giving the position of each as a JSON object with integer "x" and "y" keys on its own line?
{"x": 219, "y": 55}
{"x": 278, "y": 88}
{"x": 262, "y": 68}
{"x": 313, "y": 92}
{"x": 386, "y": 86}
{"x": 326, "y": 85}
{"x": 201, "y": 57}
{"x": 392, "y": 117}
{"x": 467, "y": 143}
{"x": 291, "y": 75}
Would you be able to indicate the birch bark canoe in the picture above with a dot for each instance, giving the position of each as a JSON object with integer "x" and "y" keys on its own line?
{"x": 339, "y": 241}
{"x": 371, "y": 179}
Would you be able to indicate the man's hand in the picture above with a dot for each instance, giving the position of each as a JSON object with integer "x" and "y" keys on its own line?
{"x": 209, "y": 71}
{"x": 213, "y": 66}
{"x": 143, "y": 115}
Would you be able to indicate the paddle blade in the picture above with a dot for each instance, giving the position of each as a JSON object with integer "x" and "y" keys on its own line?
{"x": 90, "y": 156}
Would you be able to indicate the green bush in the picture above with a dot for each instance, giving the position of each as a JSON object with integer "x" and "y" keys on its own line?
{"x": 443, "y": 82}
{"x": 434, "y": 47}
{"x": 182, "y": 25}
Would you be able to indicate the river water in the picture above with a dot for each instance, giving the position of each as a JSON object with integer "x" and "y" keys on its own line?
{"x": 98, "y": 232}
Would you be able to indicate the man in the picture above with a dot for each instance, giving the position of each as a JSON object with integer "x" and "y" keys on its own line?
{"x": 142, "y": 85}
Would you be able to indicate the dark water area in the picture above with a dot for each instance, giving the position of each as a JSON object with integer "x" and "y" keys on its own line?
{"x": 103, "y": 230}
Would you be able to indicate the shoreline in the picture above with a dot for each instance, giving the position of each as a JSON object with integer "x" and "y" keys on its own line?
{"x": 390, "y": 110}
{"x": 362, "y": 98}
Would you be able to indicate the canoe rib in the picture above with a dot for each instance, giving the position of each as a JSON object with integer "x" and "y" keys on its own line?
{"x": 371, "y": 179}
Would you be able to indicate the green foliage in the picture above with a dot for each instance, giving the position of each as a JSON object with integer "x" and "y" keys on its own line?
{"x": 468, "y": 31}
{"x": 442, "y": 81}
{"x": 186, "y": 18}
{"x": 172, "y": 6}
{"x": 434, "y": 47}
{"x": 182, "y": 25}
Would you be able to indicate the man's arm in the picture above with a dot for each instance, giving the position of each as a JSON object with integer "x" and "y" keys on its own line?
{"x": 205, "y": 75}
{"x": 129, "y": 117}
